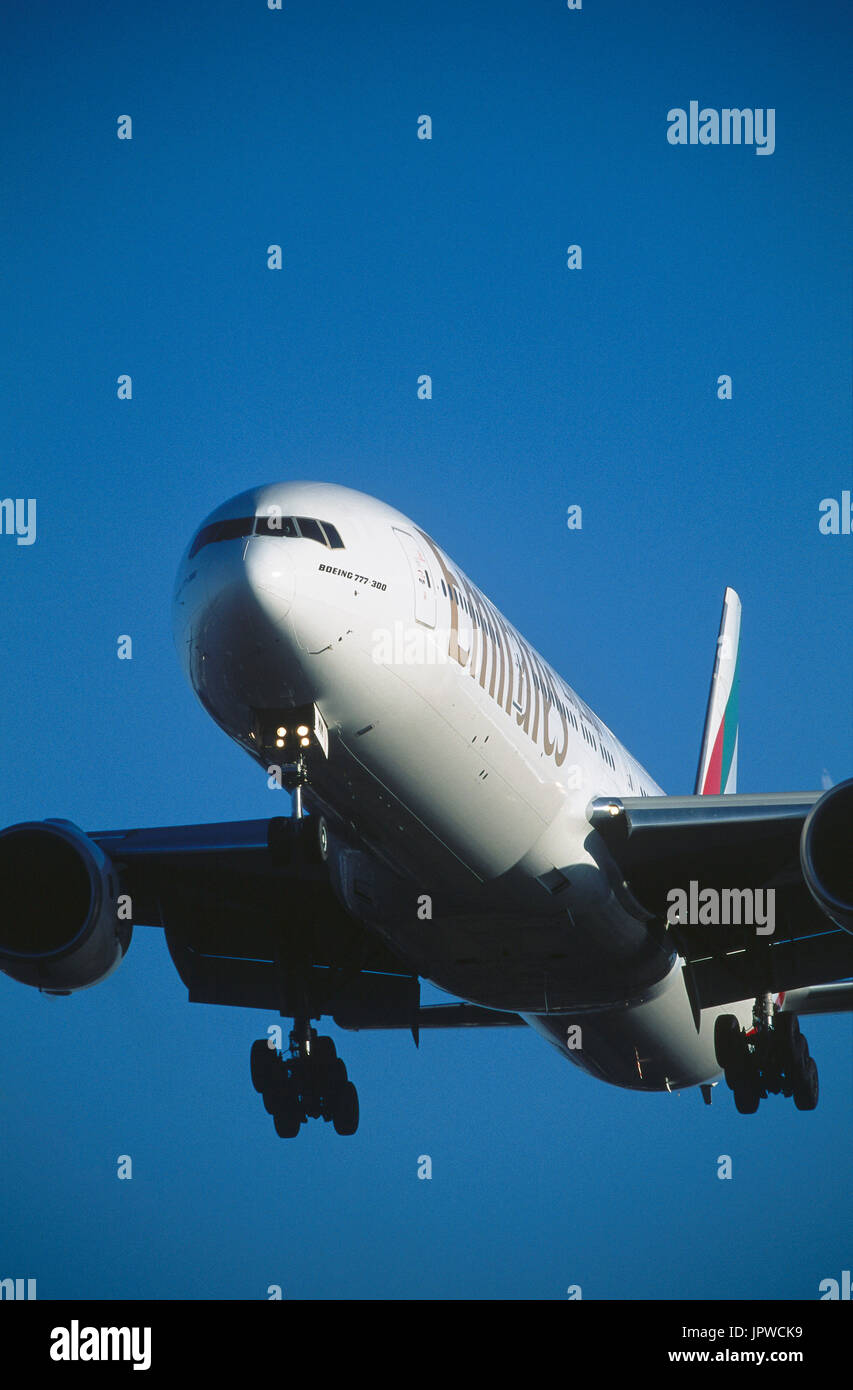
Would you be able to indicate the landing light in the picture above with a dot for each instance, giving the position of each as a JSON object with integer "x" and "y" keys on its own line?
{"x": 302, "y": 730}
{"x": 281, "y": 732}
{"x": 304, "y": 742}
{"x": 279, "y": 743}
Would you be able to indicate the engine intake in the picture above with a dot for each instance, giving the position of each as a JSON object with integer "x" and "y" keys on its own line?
{"x": 826, "y": 853}
{"x": 59, "y": 929}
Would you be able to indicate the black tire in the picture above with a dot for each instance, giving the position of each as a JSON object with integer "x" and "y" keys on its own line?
{"x": 727, "y": 1032}
{"x": 336, "y": 1078}
{"x": 279, "y": 1088}
{"x": 310, "y": 840}
{"x": 741, "y": 1069}
{"x": 797, "y": 1065}
{"x": 786, "y": 1028}
{"x": 747, "y": 1098}
{"x": 345, "y": 1117}
{"x": 262, "y": 1061}
{"x": 794, "y": 1062}
{"x": 807, "y": 1086}
{"x": 323, "y": 1053}
{"x": 322, "y": 838}
{"x": 287, "y": 1118}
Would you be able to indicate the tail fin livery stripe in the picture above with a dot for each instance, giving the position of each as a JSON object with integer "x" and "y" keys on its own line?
{"x": 711, "y": 785}
{"x": 722, "y": 765}
{"x": 717, "y": 771}
{"x": 730, "y": 727}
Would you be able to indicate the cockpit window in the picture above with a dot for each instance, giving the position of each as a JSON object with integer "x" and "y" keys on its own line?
{"x": 290, "y": 527}
{"x": 275, "y": 526}
{"x": 222, "y": 531}
{"x": 310, "y": 529}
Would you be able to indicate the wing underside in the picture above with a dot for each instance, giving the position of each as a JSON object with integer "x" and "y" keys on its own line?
{"x": 727, "y": 843}
{"x": 252, "y": 920}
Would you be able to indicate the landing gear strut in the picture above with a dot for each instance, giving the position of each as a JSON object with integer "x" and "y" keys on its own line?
{"x": 772, "y": 1056}
{"x": 308, "y": 1083}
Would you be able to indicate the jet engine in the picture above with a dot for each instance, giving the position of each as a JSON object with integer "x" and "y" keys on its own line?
{"x": 826, "y": 853}
{"x": 59, "y": 928}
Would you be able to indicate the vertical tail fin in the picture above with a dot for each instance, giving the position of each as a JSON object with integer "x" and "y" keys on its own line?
{"x": 718, "y": 759}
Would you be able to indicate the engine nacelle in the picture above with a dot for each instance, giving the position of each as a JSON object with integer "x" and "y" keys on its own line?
{"x": 59, "y": 929}
{"x": 826, "y": 853}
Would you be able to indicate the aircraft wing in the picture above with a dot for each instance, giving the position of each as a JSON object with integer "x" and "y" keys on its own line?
{"x": 798, "y": 845}
{"x": 252, "y": 919}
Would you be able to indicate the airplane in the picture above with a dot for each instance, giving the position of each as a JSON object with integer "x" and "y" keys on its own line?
{"x": 460, "y": 816}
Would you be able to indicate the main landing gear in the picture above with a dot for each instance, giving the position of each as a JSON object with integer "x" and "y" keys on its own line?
{"x": 772, "y": 1056}
{"x": 309, "y": 1083}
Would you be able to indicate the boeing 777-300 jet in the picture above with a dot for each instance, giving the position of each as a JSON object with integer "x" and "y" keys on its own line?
{"x": 460, "y": 816}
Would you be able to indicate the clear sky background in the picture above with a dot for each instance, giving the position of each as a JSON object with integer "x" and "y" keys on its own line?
{"x": 550, "y": 387}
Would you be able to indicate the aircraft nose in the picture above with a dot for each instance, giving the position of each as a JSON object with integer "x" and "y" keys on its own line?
{"x": 269, "y": 575}
{"x": 236, "y": 644}
{"x": 238, "y": 591}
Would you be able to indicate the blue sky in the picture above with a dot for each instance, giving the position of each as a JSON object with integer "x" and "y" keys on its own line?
{"x": 550, "y": 387}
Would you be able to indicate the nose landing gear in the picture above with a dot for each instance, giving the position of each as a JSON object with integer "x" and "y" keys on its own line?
{"x": 772, "y": 1057}
{"x": 309, "y": 1083}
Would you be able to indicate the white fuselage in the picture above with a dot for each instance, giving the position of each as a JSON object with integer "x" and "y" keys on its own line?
{"x": 457, "y": 757}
